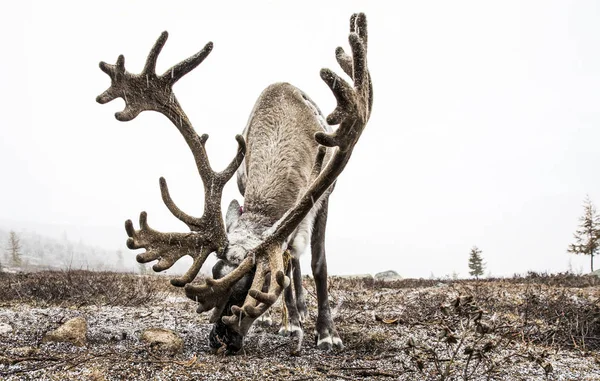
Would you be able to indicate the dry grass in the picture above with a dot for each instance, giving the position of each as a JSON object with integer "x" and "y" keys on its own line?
{"x": 82, "y": 288}
{"x": 523, "y": 328}
{"x": 556, "y": 310}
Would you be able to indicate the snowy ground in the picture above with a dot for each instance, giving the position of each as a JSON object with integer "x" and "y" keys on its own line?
{"x": 404, "y": 330}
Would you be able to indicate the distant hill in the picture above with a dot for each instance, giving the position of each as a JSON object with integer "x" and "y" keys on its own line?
{"x": 42, "y": 252}
{"x": 55, "y": 249}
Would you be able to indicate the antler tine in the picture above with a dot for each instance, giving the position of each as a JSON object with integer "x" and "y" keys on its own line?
{"x": 176, "y": 72}
{"x": 148, "y": 91}
{"x": 343, "y": 93}
{"x": 192, "y": 222}
{"x": 230, "y": 170}
{"x": 362, "y": 31}
{"x": 193, "y": 271}
{"x": 344, "y": 60}
{"x": 358, "y": 25}
{"x": 150, "y": 67}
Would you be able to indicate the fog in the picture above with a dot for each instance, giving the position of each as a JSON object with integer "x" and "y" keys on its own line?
{"x": 484, "y": 128}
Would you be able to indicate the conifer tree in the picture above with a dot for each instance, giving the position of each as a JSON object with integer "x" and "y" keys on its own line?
{"x": 14, "y": 248}
{"x": 587, "y": 235}
{"x": 476, "y": 265}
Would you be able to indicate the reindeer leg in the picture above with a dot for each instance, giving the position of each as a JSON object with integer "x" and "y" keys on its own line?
{"x": 299, "y": 290}
{"x": 265, "y": 319}
{"x": 292, "y": 327}
{"x": 326, "y": 334}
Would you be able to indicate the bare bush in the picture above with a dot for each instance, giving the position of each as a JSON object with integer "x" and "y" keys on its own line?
{"x": 81, "y": 288}
{"x": 469, "y": 344}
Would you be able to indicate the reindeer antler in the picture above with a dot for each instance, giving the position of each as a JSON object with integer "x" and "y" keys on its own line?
{"x": 352, "y": 113}
{"x": 149, "y": 91}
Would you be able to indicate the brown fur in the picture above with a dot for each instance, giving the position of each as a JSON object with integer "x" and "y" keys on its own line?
{"x": 281, "y": 150}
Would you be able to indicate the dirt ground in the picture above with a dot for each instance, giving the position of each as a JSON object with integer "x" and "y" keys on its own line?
{"x": 531, "y": 328}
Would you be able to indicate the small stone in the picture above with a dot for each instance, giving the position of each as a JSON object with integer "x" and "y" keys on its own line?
{"x": 5, "y": 328}
{"x": 73, "y": 331}
{"x": 23, "y": 351}
{"x": 163, "y": 340}
{"x": 97, "y": 375}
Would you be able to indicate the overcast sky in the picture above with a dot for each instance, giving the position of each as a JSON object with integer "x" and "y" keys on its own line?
{"x": 484, "y": 131}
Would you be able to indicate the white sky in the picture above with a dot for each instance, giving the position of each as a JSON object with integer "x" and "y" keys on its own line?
{"x": 484, "y": 131}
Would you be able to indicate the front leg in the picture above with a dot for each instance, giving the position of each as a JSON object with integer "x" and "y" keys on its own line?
{"x": 326, "y": 334}
{"x": 299, "y": 290}
{"x": 291, "y": 327}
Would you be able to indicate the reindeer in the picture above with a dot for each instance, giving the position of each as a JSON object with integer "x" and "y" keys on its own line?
{"x": 287, "y": 163}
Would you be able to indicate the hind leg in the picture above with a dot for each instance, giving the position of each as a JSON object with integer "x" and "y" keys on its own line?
{"x": 326, "y": 334}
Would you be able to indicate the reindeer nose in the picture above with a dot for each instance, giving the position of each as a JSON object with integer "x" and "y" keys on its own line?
{"x": 222, "y": 338}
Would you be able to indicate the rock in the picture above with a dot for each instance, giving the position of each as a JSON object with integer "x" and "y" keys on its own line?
{"x": 163, "y": 340}
{"x": 388, "y": 275}
{"x": 23, "y": 351}
{"x": 97, "y": 375}
{"x": 5, "y": 328}
{"x": 73, "y": 331}
{"x": 596, "y": 273}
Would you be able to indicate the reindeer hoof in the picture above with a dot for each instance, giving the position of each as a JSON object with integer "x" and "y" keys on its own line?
{"x": 329, "y": 342}
{"x": 290, "y": 330}
{"x": 325, "y": 343}
{"x": 326, "y": 337}
{"x": 264, "y": 321}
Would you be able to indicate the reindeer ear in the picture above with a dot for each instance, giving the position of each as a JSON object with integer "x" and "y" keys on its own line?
{"x": 234, "y": 211}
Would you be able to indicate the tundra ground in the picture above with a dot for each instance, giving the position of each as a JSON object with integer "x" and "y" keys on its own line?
{"x": 536, "y": 327}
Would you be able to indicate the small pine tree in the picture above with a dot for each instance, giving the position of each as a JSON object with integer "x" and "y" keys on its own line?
{"x": 587, "y": 235}
{"x": 14, "y": 248}
{"x": 476, "y": 265}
